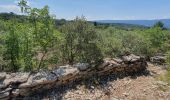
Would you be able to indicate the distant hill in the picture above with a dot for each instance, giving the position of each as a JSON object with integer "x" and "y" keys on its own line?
{"x": 147, "y": 23}
{"x": 121, "y": 26}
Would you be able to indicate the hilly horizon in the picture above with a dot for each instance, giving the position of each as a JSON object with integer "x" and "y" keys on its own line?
{"x": 147, "y": 23}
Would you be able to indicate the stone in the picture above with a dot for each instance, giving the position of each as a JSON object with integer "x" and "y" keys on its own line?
{"x": 118, "y": 60}
{"x": 126, "y": 94}
{"x": 4, "y": 96}
{"x": 43, "y": 77}
{"x": 131, "y": 58}
{"x": 65, "y": 72}
{"x": 2, "y": 86}
{"x": 158, "y": 59}
{"x": 46, "y": 80}
{"x": 15, "y": 92}
{"x": 2, "y": 76}
{"x": 104, "y": 64}
{"x": 16, "y": 78}
{"x": 82, "y": 66}
{"x": 108, "y": 64}
{"x": 92, "y": 87}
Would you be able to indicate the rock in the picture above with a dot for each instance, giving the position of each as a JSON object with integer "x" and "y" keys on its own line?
{"x": 2, "y": 76}
{"x": 107, "y": 64}
{"x": 92, "y": 87}
{"x": 126, "y": 94}
{"x": 4, "y": 96}
{"x": 118, "y": 60}
{"x": 38, "y": 79}
{"x": 65, "y": 72}
{"x": 131, "y": 58}
{"x": 44, "y": 75}
{"x": 104, "y": 64}
{"x": 82, "y": 66}
{"x": 16, "y": 78}
{"x": 15, "y": 92}
{"x": 2, "y": 86}
{"x": 158, "y": 59}
{"x": 45, "y": 80}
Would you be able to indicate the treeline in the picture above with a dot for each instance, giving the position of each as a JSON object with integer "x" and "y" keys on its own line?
{"x": 36, "y": 42}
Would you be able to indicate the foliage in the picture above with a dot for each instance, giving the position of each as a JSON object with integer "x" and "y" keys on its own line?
{"x": 36, "y": 40}
{"x": 80, "y": 42}
{"x": 159, "y": 24}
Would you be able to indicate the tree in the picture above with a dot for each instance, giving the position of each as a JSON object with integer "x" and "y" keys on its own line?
{"x": 44, "y": 35}
{"x": 23, "y": 5}
{"x": 81, "y": 42}
{"x": 12, "y": 47}
{"x": 159, "y": 24}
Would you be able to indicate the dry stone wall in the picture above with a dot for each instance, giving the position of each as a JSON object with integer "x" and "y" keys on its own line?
{"x": 24, "y": 84}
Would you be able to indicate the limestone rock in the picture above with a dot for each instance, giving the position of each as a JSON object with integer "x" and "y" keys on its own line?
{"x": 16, "y": 78}
{"x": 82, "y": 66}
{"x": 15, "y": 92}
{"x": 4, "y": 96}
{"x": 2, "y": 76}
{"x": 118, "y": 60}
{"x": 158, "y": 59}
{"x": 131, "y": 58}
{"x": 65, "y": 72}
{"x": 108, "y": 63}
{"x": 42, "y": 77}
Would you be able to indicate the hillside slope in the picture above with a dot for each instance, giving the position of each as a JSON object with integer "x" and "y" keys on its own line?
{"x": 147, "y": 23}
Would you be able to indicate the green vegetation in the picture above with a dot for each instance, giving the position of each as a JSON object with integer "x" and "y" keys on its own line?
{"x": 80, "y": 42}
{"x": 37, "y": 40}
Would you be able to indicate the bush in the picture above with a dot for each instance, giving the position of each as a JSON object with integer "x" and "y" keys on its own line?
{"x": 80, "y": 42}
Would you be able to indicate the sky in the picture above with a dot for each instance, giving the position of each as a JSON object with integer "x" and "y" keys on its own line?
{"x": 98, "y": 9}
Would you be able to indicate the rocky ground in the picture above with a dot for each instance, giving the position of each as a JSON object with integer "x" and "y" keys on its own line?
{"x": 145, "y": 86}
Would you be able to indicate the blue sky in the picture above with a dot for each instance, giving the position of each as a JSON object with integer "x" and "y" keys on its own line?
{"x": 98, "y": 9}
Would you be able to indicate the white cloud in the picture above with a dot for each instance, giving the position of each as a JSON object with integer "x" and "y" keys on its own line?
{"x": 9, "y": 8}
